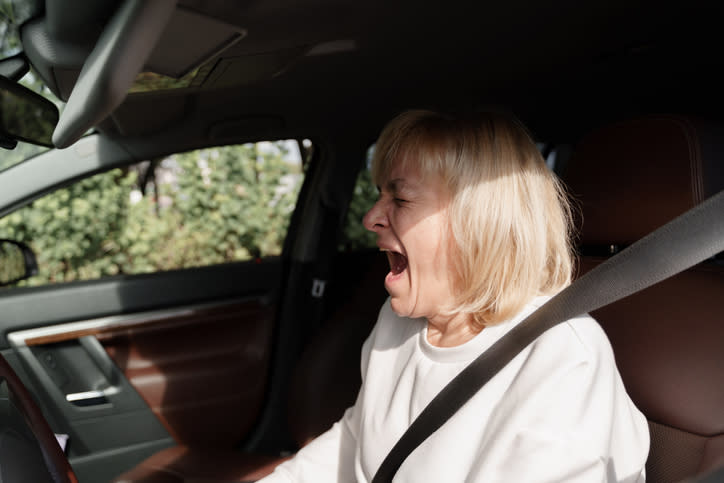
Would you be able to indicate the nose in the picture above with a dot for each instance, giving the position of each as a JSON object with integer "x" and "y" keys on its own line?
{"x": 376, "y": 218}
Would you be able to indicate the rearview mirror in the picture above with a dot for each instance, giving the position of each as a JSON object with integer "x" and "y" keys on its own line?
{"x": 17, "y": 262}
{"x": 25, "y": 116}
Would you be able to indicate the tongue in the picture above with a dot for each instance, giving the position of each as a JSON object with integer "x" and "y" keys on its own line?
{"x": 398, "y": 263}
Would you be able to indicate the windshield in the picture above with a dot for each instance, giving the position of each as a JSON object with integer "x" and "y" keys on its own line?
{"x": 21, "y": 152}
{"x": 12, "y": 14}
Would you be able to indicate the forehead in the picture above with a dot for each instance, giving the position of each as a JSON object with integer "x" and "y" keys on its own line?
{"x": 410, "y": 163}
{"x": 407, "y": 178}
{"x": 403, "y": 175}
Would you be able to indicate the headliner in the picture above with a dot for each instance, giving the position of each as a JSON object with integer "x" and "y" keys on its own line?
{"x": 310, "y": 66}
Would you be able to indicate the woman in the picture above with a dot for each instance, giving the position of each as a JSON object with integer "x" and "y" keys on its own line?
{"x": 476, "y": 231}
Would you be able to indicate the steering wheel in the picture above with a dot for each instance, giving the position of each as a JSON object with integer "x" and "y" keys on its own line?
{"x": 29, "y": 451}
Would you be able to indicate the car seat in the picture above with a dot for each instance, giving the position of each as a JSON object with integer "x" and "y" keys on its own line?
{"x": 630, "y": 178}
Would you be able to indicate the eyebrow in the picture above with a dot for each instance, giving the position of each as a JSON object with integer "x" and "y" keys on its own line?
{"x": 399, "y": 184}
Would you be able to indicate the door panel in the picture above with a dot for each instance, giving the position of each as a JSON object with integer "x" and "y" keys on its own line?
{"x": 176, "y": 350}
{"x": 201, "y": 374}
{"x": 22, "y": 308}
{"x": 128, "y": 365}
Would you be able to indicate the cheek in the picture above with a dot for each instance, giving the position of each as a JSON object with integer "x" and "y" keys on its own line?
{"x": 446, "y": 252}
{"x": 432, "y": 249}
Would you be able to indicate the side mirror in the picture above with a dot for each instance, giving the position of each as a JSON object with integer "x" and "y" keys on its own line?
{"x": 25, "y": 116}
{"x": 17, "y": 262}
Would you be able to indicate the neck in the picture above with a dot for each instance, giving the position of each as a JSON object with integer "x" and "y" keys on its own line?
{"x": 450, "y": 331}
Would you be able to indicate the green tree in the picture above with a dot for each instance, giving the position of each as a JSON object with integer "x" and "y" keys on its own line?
{"x": 71, "y": 229}
{"x": 354, "y": 235}
{"x": 205, "y": 207}
{"x": 240, "y": 198}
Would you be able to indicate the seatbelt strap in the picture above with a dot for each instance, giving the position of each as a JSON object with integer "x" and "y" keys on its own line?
{"x": 687, "y": 240}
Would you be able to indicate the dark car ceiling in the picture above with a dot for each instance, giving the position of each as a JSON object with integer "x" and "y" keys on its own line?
{"x": 307, "y": 66}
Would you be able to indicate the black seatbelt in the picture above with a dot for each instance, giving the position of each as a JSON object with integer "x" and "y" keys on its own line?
{"x": 687, "y": 240}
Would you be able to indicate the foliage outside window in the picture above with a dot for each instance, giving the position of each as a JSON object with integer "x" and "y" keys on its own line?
{"x": 193, "y": 209}
{"x": 12, "y": 14}
{"x": 355, "y": 236}
{"x": 13, "y": 262}
{"x": 23, "y": 150}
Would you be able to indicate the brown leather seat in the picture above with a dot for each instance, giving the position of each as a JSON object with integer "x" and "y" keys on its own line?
{"x": 630, "y": 178}
{"x": 326, "y": 381}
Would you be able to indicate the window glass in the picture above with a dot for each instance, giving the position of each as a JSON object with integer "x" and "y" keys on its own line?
{"x": 13, "y": 14}
{"x": 192, "y": 209}
{"x": 355, "y": 236}
{"x": 23, "y": 150}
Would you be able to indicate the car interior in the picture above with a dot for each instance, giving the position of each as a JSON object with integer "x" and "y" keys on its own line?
{"x": 218, "y": 370}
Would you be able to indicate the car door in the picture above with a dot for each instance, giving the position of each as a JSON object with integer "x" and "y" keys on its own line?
{"x": 150, "y": 322}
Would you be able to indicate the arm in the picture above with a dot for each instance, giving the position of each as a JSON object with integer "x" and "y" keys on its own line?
{"x": 545, "y": 458}
{"x": 569, "y": 420}
{"x": 330, "y": 457}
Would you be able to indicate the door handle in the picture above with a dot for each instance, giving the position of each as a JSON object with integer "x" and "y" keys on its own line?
{"x": 91, "y": 398}
{"x": 87, "y": 398}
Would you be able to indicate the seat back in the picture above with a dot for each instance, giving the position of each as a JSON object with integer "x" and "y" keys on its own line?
{"x": 630, "y": 178}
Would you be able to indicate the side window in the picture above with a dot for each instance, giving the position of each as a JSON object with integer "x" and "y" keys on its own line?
{"x": 355, "y": 237}
{"x": 193, "y": 209}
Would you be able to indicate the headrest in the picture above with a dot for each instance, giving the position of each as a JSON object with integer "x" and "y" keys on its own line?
{"x": 633, "y": 176}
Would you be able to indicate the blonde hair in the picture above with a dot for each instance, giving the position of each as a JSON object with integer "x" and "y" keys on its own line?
{"x": 510, "y": 221}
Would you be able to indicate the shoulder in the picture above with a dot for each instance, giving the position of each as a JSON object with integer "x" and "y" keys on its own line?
{"x": 577, "y": 341}
{"x": 574, "y": 342}
{"x": 569, "y": 374}
{"x": 568, "y": 364}
{"x": 571, "y": 370}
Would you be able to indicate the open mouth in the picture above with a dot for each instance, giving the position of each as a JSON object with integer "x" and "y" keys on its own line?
{"x": 398, "y": 262}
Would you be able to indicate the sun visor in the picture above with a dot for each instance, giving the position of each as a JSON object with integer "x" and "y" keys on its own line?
{"x": 122, "y": 50}
{"x": 177, "y": 53}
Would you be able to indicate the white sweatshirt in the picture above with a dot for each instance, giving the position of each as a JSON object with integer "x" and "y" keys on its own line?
{"x": 557, "y": 412}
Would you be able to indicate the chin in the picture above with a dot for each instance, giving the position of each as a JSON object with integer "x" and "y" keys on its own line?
{"x": 399, "y": 307}
{"x": 396, "y": 306}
